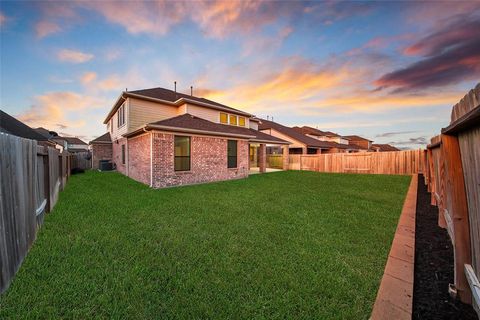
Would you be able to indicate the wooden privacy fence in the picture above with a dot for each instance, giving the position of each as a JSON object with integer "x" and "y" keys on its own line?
{"x": 81, "y": 160}
{"x": 275, "y": 161}
{"x": 453, "y": 178}
{"x": 31, "y": 178}
{"x": 395, "y": 162}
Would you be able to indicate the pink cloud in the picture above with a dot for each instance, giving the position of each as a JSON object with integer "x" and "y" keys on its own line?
{"x": 45, "y": 28}
{"x": 3, "y": 19}
{"x": 74, "y": 56}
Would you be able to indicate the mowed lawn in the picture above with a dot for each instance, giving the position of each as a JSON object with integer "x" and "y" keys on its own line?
{"x": 279, "y": 245}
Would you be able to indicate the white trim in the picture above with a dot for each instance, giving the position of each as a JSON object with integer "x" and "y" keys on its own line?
{"x": 187, "y": 130}
{"x": 151, "y": 159}
{"x": 474, "y": 286}
{"x": 127, "y": 162}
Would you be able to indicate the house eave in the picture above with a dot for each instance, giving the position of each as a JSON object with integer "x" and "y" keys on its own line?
{"x": 149, "y": 127}
{"x": 125, "y": 94}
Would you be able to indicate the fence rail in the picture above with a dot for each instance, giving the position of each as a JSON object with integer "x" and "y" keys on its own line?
{"x": 453, "y": 178}
{"x": 395, "y": 162}
{"x": 31, "y": 178}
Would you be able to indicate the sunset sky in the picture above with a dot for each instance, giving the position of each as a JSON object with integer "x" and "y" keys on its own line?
{"x": 389, "y": 71}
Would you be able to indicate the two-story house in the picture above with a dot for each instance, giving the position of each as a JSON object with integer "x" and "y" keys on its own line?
{"x": 164, "y": 138}
{"x": 363, "y": 143}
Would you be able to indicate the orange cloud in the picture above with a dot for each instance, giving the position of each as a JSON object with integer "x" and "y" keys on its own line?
{"x": 74, "y": 56}
{"x": 88, "y": 77}
{"x": 67, "y": 108}
{"x": 45, "y": 28}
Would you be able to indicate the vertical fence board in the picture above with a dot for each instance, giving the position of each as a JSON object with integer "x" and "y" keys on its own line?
{"x": 29, "y": 176}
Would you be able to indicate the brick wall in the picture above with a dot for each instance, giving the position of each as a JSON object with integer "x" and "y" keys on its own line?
{"x": 208, "y": 161}
{"x": 139, "y": 158}
{"x": 101, "y": 152}
{"x": 117, "y": 155}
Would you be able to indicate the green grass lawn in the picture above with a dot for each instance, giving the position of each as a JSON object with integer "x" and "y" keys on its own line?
{"x": 280, "y": 245}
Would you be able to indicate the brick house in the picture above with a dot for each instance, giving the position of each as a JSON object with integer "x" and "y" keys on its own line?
{"x": 101, "y": 149}
{"x": 164, "y": 138}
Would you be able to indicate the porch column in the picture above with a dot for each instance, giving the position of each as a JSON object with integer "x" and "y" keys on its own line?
{"x": 319, "y": 151}
{"x": 262, "y": 157}
{"x": 285, "y": 157}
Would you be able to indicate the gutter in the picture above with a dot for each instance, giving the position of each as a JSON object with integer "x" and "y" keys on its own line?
{"x": 186, "y": 130}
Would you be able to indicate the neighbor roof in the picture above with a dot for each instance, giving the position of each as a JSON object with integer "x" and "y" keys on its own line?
{"x": 385, "y": 147}
{"x": 104, "y": 138}
{"x": 354, "y": 137}
{"x": 315, "y": 132}
{"x": 9, "y": 124}
{"x": 171, "y": 97}
{"x": 46, "y": 133}
{"x": 294, "y": 134}
{"x": 189, "y": 123}
{"x": 70, "y": 140}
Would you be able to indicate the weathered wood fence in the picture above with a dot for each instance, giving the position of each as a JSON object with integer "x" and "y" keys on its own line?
{"x": 453, "y": 178}
{"x": 396, "y": 162}
{"x": 81, "y": 160}
{"x": 31, "y": 178}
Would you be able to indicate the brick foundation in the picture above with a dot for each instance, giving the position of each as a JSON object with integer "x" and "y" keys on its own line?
{"x": 100, "y": 151}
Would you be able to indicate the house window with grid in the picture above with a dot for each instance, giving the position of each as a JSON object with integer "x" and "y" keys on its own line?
{"x": 223, "y": 118}
{"x": 232, "y": 153}
{"x": 182, "y": 153}
{"x": 241, "y": 121}
{"x": 233, "y": 120}
{"x": 121, "y": 116}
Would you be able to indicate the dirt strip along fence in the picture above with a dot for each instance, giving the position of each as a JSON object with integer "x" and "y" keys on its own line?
{"x": 31, "y": 178}
{"x": 395, "y": 162}
{"x": 453, "y": 178}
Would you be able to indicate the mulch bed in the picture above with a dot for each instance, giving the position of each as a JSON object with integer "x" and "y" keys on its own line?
{"x": 434, "y": 266}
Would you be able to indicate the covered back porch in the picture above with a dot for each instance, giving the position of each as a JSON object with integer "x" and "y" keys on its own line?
{"x": 267, "y": 157}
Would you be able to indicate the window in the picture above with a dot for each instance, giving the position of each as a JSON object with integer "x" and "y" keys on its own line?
{"x": 123, "y": 154}
{"x": 182, "y": 153}
{"x": 223, "y": 118}
{"x": 233, "y": 119}
{"x": 241, "y": 121}
{"x": 121, "y": 116}
{"x": 232, "y": 153}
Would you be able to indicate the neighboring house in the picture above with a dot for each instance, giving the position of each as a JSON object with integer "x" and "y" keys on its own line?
{"x": 71, "y": 144}
{"x": 383, "y": 147}
{"x": 50, "y": 135}
{"x": 362, "y": 143}
{"x": 299, "y": 142}
{"x": 101, "y": 149}
{"x": 164, "y": 138}
{"x": 10, "y": 125}
{"x": 340, "y": 144}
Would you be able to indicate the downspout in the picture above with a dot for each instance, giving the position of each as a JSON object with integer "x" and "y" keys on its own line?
{"x": 151, "y": 158}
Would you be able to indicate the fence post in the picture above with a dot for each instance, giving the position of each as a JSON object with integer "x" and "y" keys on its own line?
{"x": 458, "y": 208}
{"x": 46, "y": 178}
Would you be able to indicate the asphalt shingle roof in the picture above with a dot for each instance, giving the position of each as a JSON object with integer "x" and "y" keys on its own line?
{"x": 188, "y": 121}
{"x": 9, "y": 124}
